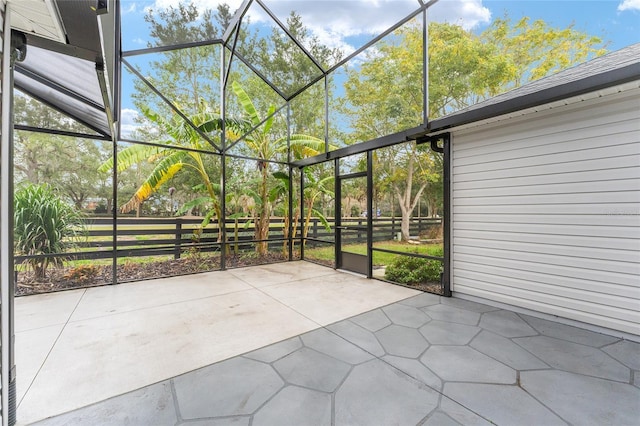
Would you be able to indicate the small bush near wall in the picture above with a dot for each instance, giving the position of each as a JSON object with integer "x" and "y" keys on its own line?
{"x": 414, "y": 270}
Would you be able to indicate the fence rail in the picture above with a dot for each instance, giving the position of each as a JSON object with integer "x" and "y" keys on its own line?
{"x": 137, "y": 237}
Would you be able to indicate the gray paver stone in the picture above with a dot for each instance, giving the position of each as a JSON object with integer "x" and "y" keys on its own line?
{"x": 377, "y": 394}
{"x": 373, "y": 321}
{"x": 461, "y": 414}
{"x": 229, "y": 388}
{"x": 502, "y": 404}
{"x": 276, "y": 351}
{"x": 152, "y": 405}
{"x": 402, "y": 341}
{"x": 452, "y": 314}
{"x": 358, "y": 336}
{"x": 295, "y": 406}
{"x": 405, "y": 315}
{"x": 507, "y": 352}
{"x": 422, "y": 300}
{"x": 464, "y": 364}
{"x": 438, "y": 418}
{"x": 312, "y": 369}
{"x": 447, "y": 333}
{"x": 467, "y": 305}
{"x": 415, "y": 369}
{"x": 569, "y": 333}
{"x": 576, "y": 358}
{"x": 584, "y": 400}
{"x": 626, "y": 352}
{"x": 328, "y": 343}
{"x": 507, "y": 324}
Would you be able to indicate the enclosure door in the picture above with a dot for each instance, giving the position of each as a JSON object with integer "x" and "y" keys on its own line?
{"x": 353, "y": 248}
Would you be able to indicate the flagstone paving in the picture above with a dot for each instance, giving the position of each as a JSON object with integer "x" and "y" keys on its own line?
{"x": 425, "y": 360}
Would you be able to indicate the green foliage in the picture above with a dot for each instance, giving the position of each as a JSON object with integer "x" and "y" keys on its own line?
{"x": 44, "y": 224}
{"x": 536, "y": 49}
{"x": 414, "y": 270}
{"x": 264, "y": 145}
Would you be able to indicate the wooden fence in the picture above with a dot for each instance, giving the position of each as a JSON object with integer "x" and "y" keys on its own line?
{"x": 172, "y": 236}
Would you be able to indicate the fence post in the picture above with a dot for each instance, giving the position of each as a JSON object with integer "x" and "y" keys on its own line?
{"x": 176, "y": 250}
{"x": 315, "y": 228}
{"x": 393, "y": 227}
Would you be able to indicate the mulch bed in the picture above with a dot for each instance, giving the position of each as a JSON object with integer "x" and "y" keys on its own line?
{"x": 427, "y": 287}
{"x": 58, "y": 279}
{"x": 67, "y": 278}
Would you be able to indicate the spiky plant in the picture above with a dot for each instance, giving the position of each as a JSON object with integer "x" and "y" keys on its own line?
{"x": 44, "y": 224}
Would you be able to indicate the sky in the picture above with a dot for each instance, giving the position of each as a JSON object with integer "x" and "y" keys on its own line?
{"x": 348, "y": 24}
{"x": 336, "y": 22}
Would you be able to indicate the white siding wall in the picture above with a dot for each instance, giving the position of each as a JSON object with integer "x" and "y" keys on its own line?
{"x": 546, "y": 211}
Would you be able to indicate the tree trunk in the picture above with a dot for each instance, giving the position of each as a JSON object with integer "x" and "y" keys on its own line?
{"x": 404, "y": 226}
{"x": 262, "y": 221}
{"x": 406, "y": 203}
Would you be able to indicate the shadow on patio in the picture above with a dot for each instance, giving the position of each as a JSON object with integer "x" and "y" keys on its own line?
{"x": 301, "y": 344}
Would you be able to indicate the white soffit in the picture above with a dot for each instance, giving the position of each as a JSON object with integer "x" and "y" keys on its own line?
{"x": 37, "y": 17}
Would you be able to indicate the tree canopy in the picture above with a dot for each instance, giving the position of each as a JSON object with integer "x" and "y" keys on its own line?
{"x": 385, "y": 93}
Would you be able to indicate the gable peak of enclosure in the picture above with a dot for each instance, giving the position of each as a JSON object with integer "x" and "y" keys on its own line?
{"x": 266, "y": 35}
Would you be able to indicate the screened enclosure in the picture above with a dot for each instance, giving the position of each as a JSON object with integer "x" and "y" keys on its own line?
{"x": 238, "y": 138}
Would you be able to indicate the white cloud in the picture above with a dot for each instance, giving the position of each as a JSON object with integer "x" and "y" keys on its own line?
{"x": 128, "y": 7}
{"x": 337, "y": 22}
{"x": 629, "y": 5}
{"x": 128, "y": 121}
{"x": 467, "y": 13}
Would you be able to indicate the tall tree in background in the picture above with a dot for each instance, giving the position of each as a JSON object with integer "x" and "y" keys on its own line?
{"x": 66, "y": 163}
{"x": 187, "y": 77}
{"x": 536, "y": 49}
{"x": 384, "y": 94}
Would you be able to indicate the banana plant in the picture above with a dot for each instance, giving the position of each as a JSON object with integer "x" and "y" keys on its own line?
{"x": 314, "y": 189}
{"x": 170, "y": 160}
{"x": 264, "y": 147}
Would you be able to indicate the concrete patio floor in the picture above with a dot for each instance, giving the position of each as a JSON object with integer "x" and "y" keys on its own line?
{"x": 332, "y": 351}
{"x": 78, "y": 347}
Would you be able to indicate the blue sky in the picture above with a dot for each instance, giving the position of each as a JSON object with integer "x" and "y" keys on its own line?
{"x": 620, "y": 26}
{"x": 347, "y": 24}
{"x": 334, "y": 21}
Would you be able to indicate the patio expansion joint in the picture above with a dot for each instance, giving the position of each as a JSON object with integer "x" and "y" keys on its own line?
{"x": 176, "y": 403}
{"x": 64, "y": 325}
{"x": 146, "y": 308}
{"x": 259, "y": 289}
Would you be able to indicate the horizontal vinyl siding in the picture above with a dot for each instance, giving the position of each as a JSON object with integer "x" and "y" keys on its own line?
{"x": 546, "y": 211}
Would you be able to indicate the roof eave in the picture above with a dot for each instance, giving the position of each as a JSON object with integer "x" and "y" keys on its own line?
{"x": 574, "y": 88}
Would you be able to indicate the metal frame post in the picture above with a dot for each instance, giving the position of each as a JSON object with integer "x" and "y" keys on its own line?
{"x": 370, "y": 214}
{"x": 446, "y": 284}
{"x": 7, "y": 280}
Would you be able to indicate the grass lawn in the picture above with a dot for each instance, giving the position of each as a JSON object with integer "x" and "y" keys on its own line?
{"x": 379, "y": 258}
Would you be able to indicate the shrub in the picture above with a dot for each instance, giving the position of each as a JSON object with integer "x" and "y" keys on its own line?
{"x": 44, "y": 224}
{"x": 82, "y": 273}
{"x": 414, "y": 270}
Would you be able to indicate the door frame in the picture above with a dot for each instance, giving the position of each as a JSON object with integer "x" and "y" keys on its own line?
{"x": 362, "y": 264}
